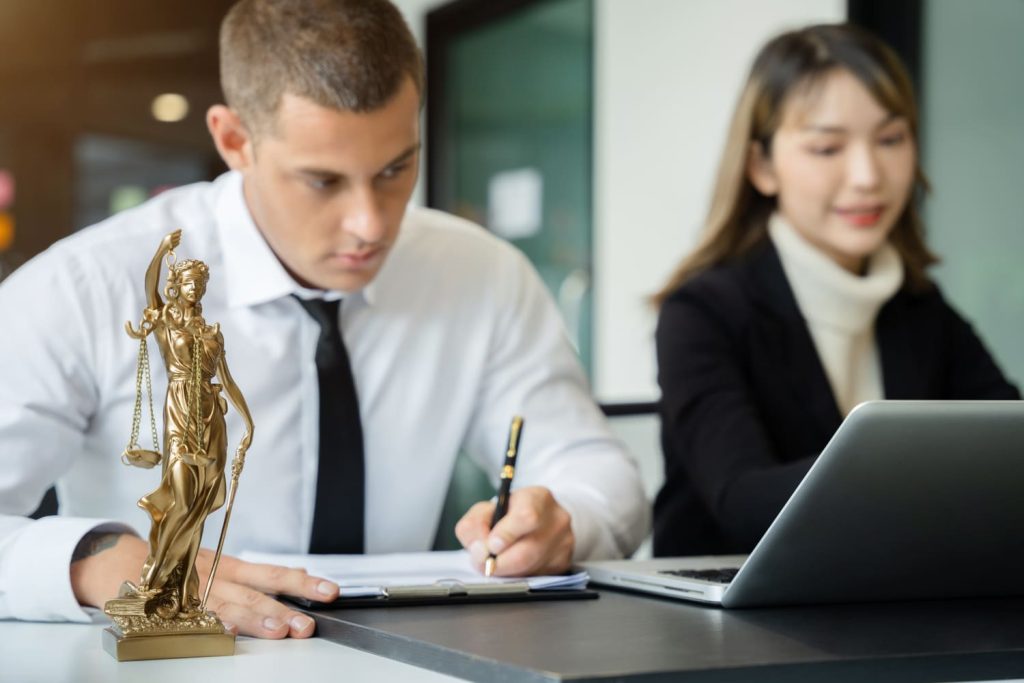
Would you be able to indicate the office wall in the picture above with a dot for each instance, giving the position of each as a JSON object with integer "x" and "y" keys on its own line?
{"x": 666, "y": 74}
{"x": 973, "y": 93}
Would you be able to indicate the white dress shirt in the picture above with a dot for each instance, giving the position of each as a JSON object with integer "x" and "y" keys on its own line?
{"x": 840, "y": 309}
{"x": 454, "y": 336}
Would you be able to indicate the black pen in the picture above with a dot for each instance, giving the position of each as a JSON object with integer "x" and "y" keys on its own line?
{"x": 507, "y": 472}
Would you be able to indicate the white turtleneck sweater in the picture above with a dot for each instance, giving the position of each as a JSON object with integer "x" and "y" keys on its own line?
{"x": 840, "y": 309}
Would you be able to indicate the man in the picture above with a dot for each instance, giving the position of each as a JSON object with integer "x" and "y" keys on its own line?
{"x": 448, "y": 333}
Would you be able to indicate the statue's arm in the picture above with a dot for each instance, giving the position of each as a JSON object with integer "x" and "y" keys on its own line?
{"x": 234, "y": 395}
{"x": 154, "y": 303}
{"x": 167, "y": 244}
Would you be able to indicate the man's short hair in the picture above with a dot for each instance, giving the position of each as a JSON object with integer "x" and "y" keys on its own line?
{"x": 344, "y": 54}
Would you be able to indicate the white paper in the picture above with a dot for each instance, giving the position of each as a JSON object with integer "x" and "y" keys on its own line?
{"x": 515, "y": 203}
{"x": 369, "y": 575}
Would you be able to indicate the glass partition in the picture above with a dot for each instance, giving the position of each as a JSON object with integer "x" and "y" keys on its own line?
{"x": 509, "y": 116}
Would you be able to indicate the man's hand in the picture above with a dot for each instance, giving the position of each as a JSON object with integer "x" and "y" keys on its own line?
{"x": 241, "y": 590}
{"x": 534, "y": 537}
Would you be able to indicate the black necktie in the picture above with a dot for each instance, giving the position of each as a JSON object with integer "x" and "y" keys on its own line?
{"x": 338, "y": 515}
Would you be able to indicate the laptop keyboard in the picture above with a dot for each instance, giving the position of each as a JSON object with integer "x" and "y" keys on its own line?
{"x": 723, "y": 575}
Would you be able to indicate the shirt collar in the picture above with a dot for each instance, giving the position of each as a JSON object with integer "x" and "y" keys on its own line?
{"x": 253, "y": 274}
{"x": 825, "y": 292}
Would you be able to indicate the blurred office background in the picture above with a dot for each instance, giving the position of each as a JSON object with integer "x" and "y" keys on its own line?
{"x": 584, "y": 131}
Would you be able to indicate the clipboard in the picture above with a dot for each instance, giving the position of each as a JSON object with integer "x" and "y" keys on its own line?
{"x": 427, "y": 578}
{"x": 447, "y": 593}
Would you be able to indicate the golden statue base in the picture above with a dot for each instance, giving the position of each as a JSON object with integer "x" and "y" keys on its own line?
{"x": 137, "y": 635}
{"x": 168, "y": 646}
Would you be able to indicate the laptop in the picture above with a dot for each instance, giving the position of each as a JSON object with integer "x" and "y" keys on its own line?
{"x": 909, "y": 500}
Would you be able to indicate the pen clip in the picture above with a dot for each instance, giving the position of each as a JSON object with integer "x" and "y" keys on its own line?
{"x": 514, "y": 432}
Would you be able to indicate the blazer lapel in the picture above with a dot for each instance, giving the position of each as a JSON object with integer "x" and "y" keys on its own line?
{"x": 801, "y": 371}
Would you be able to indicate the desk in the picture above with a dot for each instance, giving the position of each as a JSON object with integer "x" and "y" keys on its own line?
{"x": 619, "y": 637}
{"x": 624, "y": 637}
{"x": 65, "y": 653}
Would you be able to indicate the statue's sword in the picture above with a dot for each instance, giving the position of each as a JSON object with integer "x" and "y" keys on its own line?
{"x": 236, "y": 471}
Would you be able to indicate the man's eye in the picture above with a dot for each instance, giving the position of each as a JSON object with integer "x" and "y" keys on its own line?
{"x": 321, "y": 184}
{"x": 393, "y": 171}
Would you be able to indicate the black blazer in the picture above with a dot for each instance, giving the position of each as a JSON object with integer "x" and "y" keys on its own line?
{"x": 746, "y": 405}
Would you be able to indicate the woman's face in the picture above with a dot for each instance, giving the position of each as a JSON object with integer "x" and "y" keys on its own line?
{"x": 841, "y": 166}
{"x": 192, "y": 287}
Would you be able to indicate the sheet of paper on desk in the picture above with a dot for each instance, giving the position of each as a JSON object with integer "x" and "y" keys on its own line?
{"x": 368, "y": 575}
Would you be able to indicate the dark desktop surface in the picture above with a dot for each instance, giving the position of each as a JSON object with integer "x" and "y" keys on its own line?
{"x": 630, "y": 637}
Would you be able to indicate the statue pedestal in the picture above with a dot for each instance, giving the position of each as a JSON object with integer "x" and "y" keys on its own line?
{"x": 136, "y": 635}
{"x": 167, "y": 646}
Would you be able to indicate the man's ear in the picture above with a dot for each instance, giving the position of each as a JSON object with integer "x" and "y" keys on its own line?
{"x": 233, "y": 140}
{"x": 760, "y": 171}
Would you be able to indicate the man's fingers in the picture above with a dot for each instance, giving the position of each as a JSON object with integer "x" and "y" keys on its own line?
{"x": 276, "y": 580}
{"x": 239, "y": 596}
{"x": 535, "y": 537}
{"x": 520, "y": 559}
{"x": 548, "y": 552}
{"x": 475, "y": 524}
{"x": 248, "y": 623}
{"x": 256, "y": 614}
{"x": 527, "y": 510}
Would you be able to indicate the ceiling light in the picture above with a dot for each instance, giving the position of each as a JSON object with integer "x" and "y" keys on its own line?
{"x": 169, "y": 107}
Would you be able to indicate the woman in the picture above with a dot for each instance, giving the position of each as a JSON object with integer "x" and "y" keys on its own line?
{"x": 195, "y": 436}
{"x": 807, "y": 295}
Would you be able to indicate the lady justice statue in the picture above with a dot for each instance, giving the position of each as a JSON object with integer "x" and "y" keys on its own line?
{"x": 154, "y": 615}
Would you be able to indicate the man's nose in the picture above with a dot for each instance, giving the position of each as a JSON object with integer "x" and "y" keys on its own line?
{"x": 363, "y": 215}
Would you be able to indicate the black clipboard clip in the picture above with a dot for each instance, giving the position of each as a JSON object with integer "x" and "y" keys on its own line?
{"x": 446, "y": 593}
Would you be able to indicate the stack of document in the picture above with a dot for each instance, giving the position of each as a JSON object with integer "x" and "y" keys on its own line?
{"x": 422, "y": 574}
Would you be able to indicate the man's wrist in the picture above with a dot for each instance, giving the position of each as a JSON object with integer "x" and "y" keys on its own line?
{"x": 94, "y": 543}
{"x": 102, "y": 561}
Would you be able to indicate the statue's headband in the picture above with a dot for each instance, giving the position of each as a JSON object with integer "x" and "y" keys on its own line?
{"x": 182, "y": 267}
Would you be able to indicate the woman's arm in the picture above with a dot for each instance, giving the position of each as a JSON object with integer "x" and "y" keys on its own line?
{"x": 714, "y": 435}
{"x": 971, "y": 372}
